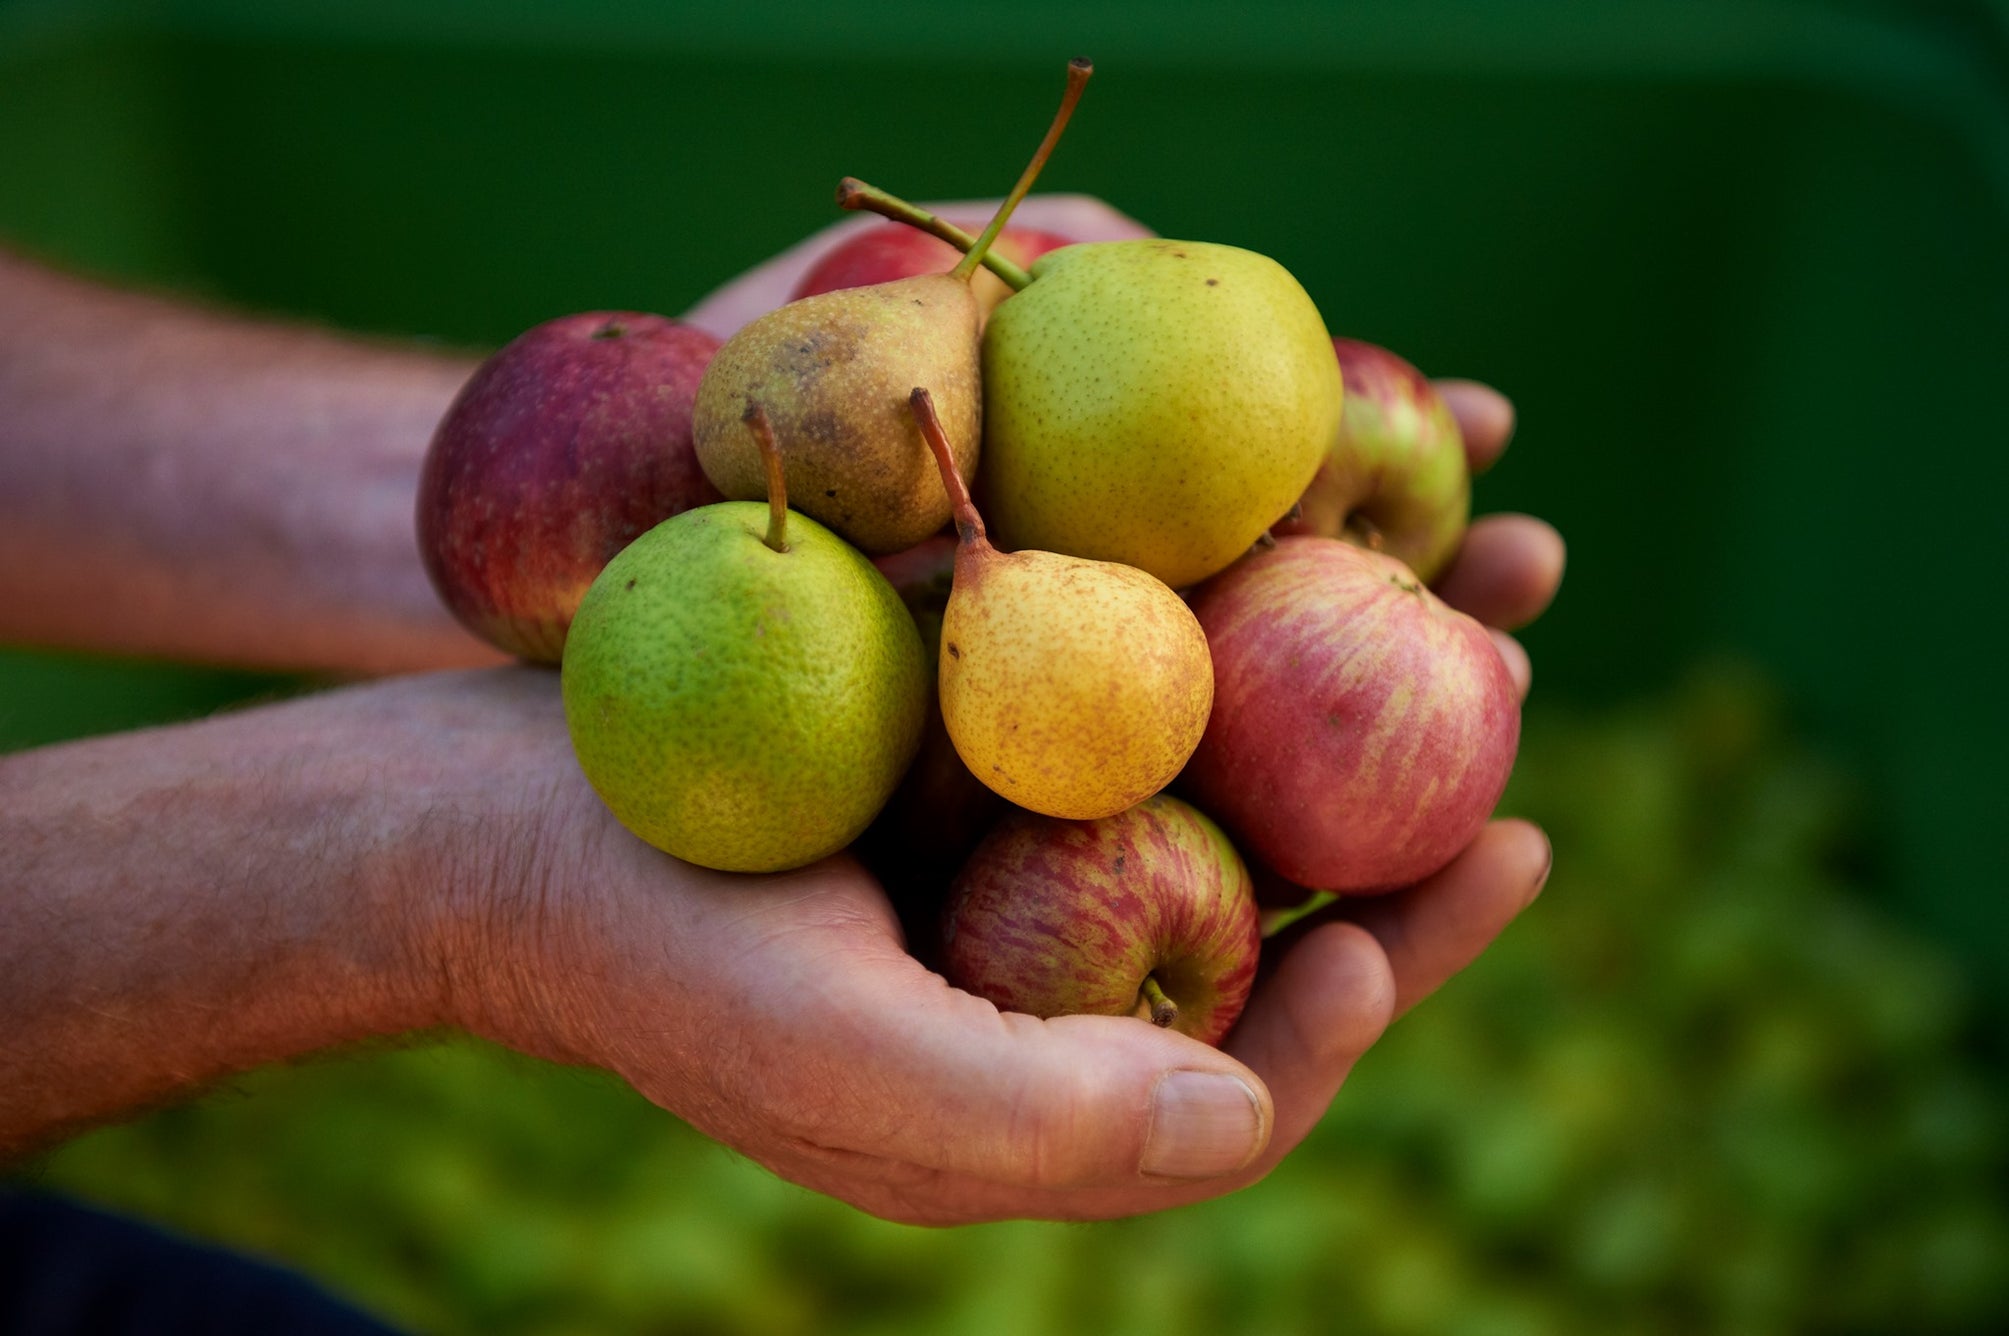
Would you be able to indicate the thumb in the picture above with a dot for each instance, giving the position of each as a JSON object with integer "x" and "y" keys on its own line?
{"x": 938, "y": 1079}
{"x": 828, "y": 1049}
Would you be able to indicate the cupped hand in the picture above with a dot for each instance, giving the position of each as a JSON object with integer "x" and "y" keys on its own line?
{"x": 783, "y": 1016}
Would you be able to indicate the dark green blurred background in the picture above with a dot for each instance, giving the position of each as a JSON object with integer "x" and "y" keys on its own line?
{"x": 1744, "y": 268}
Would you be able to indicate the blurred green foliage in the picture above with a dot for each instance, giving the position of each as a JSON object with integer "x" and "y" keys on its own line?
{"x": 1701, "y": 1086}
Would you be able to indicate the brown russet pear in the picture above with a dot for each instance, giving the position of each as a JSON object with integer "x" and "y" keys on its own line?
{"x": 833, "y": 372}
{"x": 1075, "y": 688}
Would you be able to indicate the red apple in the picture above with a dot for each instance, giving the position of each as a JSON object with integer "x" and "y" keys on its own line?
{"x": 559, "y": 451}
{"x": 1396, "y": 478}
{"x": 894, "y": 250}
{"x": 1362, "y": 729}
{"x": 1147, "y": 913}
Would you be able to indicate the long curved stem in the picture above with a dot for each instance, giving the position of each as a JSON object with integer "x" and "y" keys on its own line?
{"x": 1078, "y": 71}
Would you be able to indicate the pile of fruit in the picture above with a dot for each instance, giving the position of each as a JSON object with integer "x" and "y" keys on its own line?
{"x": 1214, "y": 525}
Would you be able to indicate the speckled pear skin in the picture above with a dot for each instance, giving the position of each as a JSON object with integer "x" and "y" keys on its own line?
{"x": 833, "y": 372}
{"x": 1156, "y": 403}
{"x": 1074, "y": 688}
{"x": 740, "y": 708}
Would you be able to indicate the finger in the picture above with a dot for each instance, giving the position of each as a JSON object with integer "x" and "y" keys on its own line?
{"x": 1312, "y": 1018}
{"x": 1076, "y": 217}
{"x": 767, "y": 285}
{"x": 856, "y": 1050}
{"x": 1516, "y": 658}
{"x": 1506, "y": 571}
{"x": 1439, "y": 926}
{"x": 1485, "y": 419}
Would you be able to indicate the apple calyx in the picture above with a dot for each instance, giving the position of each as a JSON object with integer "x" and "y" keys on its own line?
{"x": 755, "y": 418}
{"x": 1154, "y": 1006}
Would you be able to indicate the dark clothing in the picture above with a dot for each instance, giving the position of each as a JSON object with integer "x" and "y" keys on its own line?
{"x": 69, "y": 1270}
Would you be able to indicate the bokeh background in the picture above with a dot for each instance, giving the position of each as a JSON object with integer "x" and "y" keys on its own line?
{"x": 1744, "y": 267}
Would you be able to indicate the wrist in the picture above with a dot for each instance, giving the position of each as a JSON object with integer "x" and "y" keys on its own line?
{"x": 495, "y": 823}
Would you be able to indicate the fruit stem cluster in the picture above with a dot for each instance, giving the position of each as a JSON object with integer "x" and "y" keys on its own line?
{"x": 856, "y": 195}
{"x": 1078, "y": 71}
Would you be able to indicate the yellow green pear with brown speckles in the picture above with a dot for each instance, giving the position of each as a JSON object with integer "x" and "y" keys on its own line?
{"x": 1156, "y": 403}
{"x": 833, "y": 371}
{"x": 1074, "y": 688}
{"x": 742, "y": 707}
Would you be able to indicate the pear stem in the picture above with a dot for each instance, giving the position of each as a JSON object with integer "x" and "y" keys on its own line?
{"x": 969, "y": 524}
{"x": 1163, "y": 1009}
{"x": 1078, "y": 71}
{"x": 856, "y": 195}
{"x": 755, "y": 418}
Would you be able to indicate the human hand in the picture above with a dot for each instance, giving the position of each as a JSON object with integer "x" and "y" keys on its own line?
{"x": 783, "y": 1016}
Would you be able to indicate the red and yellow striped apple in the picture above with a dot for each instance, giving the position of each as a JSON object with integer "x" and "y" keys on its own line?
{"x": 1148, "y": 913}
{"x": 1396, "y": 478}
{"x": 1362, "y": 730}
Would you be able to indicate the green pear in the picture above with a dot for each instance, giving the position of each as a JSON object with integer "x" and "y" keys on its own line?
{"x": 1075, "y": 688}
{"x": 833, "y": 372}
{"x": 743, "y": 689}
{"x": 1156, "y": 403}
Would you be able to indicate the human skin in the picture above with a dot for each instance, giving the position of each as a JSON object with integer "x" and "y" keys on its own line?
{"x": 421, "y": 854}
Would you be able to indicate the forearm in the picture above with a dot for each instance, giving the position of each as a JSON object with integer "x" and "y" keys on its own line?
{"x": 184, "y": 903}
{"x": 194, "y": 485}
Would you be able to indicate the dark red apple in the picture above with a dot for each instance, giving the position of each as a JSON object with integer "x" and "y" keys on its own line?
{"x": 559, "y": 451}
{"x": 1396, "y": 478}
{"x": 1148, "y": 913}
{"x": 1362, "y": 730}
{"x": 888, "y": 251}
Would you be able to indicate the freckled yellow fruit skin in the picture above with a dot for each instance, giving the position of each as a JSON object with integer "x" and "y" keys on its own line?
{"x": 1156, "y": 403}
{"x": 833, "y": 372}
{"x": 1074, "y": 688}
{"x": 743, "y": 709}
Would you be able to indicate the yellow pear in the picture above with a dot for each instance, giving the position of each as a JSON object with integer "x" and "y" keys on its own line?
{"x": 1075, "y": 688}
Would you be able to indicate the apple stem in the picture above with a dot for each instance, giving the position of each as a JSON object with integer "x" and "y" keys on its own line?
{"x": 1078, "y": 71}
{"x": 1163, "y": 1009}
{"x": 755, "y": 418}
{"x": 1364, "y": 531}
{"x": 855, "y": 195}
{"x": 969, "y": 524}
